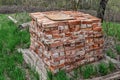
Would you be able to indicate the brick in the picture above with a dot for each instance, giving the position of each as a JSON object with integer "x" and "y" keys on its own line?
{"x": 97, "y": 29}
{"x": 66, "y": 44}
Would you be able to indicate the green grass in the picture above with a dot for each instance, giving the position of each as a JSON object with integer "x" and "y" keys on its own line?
{"x": 12, "y": 65}
{"x": 103, "y": 68}
{"x": 111, "y": 66}
{"x": 21, "y": 17}
{"x": 61, "y": 75}
{"x": 88, "y": 71}
{"x": 110, "y": 54}
{"x": 112, "y": 29}
{"x": 91, "y": 70}
{"x": 76, "y": 75}
{"x": 118, "y": 49}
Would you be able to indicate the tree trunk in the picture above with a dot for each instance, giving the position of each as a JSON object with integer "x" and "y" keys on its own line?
{"x": 101, "y": 9}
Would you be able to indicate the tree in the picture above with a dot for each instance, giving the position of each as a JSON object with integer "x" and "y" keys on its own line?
{"x": 101, "y": 9}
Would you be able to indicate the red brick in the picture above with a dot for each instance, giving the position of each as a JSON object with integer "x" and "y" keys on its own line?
{"x": 66, "y": 44}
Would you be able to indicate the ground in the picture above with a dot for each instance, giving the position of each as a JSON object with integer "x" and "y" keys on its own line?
{"x": 12, "y": 65}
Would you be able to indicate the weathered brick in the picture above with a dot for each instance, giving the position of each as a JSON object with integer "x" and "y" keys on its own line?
{"x": 66, "y": 44}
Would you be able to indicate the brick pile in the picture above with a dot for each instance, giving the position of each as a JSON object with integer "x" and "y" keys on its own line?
{"x": 66, "y": 44}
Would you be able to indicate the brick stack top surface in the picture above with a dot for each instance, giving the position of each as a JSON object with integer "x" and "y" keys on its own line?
{"x": 79, "y": 17}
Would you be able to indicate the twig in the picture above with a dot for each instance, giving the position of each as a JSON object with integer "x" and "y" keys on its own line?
{"x": 12, "y": 19}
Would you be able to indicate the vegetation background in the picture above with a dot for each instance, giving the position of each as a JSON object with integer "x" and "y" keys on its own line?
{"x": 89, "y": 6}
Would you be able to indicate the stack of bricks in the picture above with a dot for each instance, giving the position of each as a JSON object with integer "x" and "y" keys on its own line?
{"x": 67, "y": 44}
